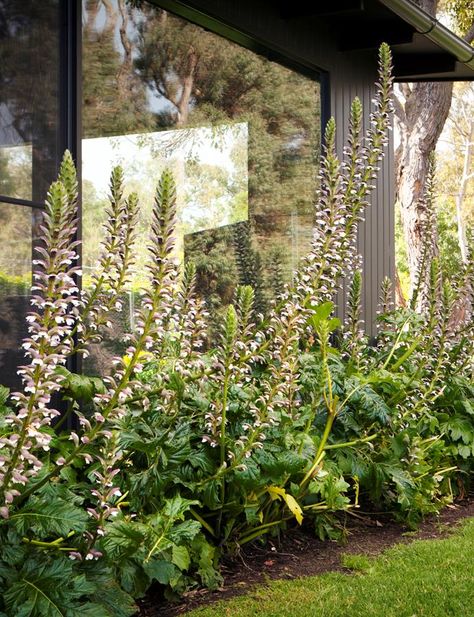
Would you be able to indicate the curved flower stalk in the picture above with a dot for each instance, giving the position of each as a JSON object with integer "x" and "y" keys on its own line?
{"x": 114, "y": 266}
{"x": 49, "y": 342}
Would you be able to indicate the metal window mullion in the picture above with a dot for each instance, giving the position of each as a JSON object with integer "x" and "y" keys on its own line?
{"x": 70, "y": 95}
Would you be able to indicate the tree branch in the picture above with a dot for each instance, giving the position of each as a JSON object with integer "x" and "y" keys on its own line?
{"x": 469, "y": 36}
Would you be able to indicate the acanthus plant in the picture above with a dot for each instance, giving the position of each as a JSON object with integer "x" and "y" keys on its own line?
{"x": 250, "y": 391}
{"x": 71, "y": 320}
{"x": 66, "y": 320}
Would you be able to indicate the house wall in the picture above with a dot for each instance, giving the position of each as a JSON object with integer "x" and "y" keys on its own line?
{"x": 349, "y": 74}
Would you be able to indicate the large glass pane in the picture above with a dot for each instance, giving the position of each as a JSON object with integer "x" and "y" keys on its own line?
{"x": 15, "y": 283}
{"x": 240, "y": 132}
{"x": 29, "y": 72}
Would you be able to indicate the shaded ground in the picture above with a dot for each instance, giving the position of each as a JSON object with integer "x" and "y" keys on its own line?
{"x": 301, "y": 554}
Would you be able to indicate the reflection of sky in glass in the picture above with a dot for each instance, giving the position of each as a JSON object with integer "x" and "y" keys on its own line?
{"x": 144, "y": 155}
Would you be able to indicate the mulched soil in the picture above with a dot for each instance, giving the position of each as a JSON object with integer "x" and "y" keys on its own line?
{"x": 301, "y": 554}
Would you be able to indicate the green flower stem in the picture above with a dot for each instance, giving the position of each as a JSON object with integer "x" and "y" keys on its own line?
{"x": 65, "y": 415}
{"x": 397, "y": 340}
{"x": 354, "y": 442}
{"x": 320, "y": 452}
{"x": 262, "y": 529}
{"x": 204, "y": 523}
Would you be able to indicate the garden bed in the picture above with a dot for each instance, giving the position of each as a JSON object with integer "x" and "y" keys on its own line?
{"x": 300, "y": 553}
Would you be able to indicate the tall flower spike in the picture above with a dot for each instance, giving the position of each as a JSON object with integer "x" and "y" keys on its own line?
{"x": 157, "y": 304}
{"x": 231, "y": 365}
{"x": 386, "y": 297}
{"x": 353, "y": 331}
{"x": 114, "y": 267}
{"x": 426, "y": 205}
{"x": 353, "y": 155}
{"x": 365, "y": 158}
{"x": 342, "y": 198}
{"x": 68, "y": 176}
{"x": 188, "y": 328}
{"x": 313, "y": 279}
{"x": 49, "y": 343}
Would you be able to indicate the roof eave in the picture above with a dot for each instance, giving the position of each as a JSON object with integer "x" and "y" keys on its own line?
{"x": 431, "y": 28}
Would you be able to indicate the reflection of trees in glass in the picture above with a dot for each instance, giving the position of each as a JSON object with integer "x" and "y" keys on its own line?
{"x": 7, "y": 186}
{"x": 29, "y": 68}
{"x": 249, "y": 264}
{"x": 212, "y": 183}
{"x": 16, "y": 171}
{"x": 147, "y": 70}
{"x": 223, "y": 187}
{"x": 200, "y": 78}
{"x": 15, "y": 282}
{"x": 114, "y": 97}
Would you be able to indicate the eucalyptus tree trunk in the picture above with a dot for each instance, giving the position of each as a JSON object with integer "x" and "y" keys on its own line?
{"x": 420, "y": 121}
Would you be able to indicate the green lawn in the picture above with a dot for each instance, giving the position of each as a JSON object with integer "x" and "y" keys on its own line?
{"x": 427, "y": 578}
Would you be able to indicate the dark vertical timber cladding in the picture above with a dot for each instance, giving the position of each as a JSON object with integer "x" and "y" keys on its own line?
{"x": 308, "y": 42}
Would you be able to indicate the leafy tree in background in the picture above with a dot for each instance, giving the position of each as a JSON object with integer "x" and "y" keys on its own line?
{"x": 421, "y": 112}
{"x": 460, "y": 137}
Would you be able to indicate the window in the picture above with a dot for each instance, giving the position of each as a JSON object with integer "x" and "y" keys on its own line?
{"x": 29, "y": 149}
{"x": 240, "y": 132}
